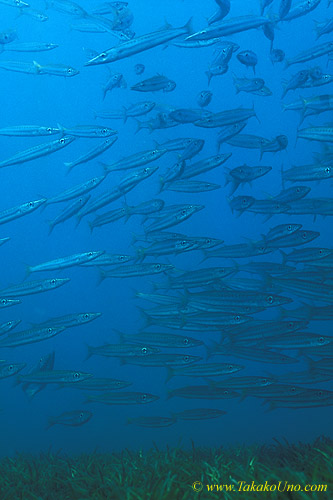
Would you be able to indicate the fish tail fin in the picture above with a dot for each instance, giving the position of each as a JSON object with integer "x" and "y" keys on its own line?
{"x": 170, "y": 374}
{"x": 189, "y": 26}
{"x": 210, "y": 349}
{"x": 139, "y": 126}
{"x": 147, "y": 319}
{"x": 209, "y": 76}
{"x": 120, "y": 335}
{"x": 284, "y": 257}
{"x": 162, "y": 183}
{"x": 50, "y": 423}
{"x": 101, "y": 277}
{"x": 27, "y": 271}
{"x": 140, "y": 254}
{"x": 69, "y": 165}
{"x": 90, "y": 352}
{"x": 91, "y": 226}
{"x": 170, "y": 394}
{"x": 287, "y": 64}
{"x": 51, "y": 226}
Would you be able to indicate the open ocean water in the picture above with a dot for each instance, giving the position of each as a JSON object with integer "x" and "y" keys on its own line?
{"x": 203, "y": 133}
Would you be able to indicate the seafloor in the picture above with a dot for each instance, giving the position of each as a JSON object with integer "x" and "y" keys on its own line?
{"x": 174, "y": 474}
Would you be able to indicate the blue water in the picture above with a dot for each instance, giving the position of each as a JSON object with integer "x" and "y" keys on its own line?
{"x": 48, "y": 100}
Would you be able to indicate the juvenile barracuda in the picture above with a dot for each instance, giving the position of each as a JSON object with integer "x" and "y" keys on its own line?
{"x": 161, "y": 360}
{"x": 88, "y": 131}
{"x": 73, "y": 418}
{"x": 152, "y": 422}
{"x": 21, "y": 210}
{"x": 204, "y": 165}
{"x": 245, "y": 382}
{"x": 121, "y": 350}
{"x": 174, "y": 219}
{"x": 321, "y": 134}
{"x": 313, "y": 53}
{"x": 29, "y": 131}
{"x": 9, "y": 325}
{"x": 301, "y": 9}
{"x": 76, "y": 191}
{"x": 108, "y": 259}
{"x": 298, "y": 341}
{"x": 136, "y": 270}
{"x": 3, "y": 241}
{"x": 98, "y": 384}
{"x": 29, "y": 47}
{"x": 30, "y": 336}
{"x": 213, "y": 299}
{"x": 56, "y": 70}
{"x": 230, "y": 27}
{"x": 69, "y": 211}
{"x": 92, "y": 153}
{"x": 281, "y": 231}
{"x": 136, "y": 160}
{"x": 204, "y": 370}
{"x": 32, "y": 287}
{"x": 240, "y": 250}
{"x": 8, "y": 302}
{"x": 199, "y": 414}
{"x": 71, "y": 320}
{"x": 38, "y": 151}
{"x": 228, "y": 117}
{"x": 54, "y": 377}
{"x": 192, "y": 186}
{"x": 305, "y": 255}
{"x": 63, "y": 262}
{"x": 122, "y": 398}
{"x": 198, "y": 278}
{"x": 140, "y": 44}
{"x": 107, "y": 218}
{"x": 45, "y": 363}
{"x": 292, "y": 194}
{"x": 165, "y": 247}
{"x": 203, "y": 322}
{"x": 297, "y": 238}
{"x": 252, "y": 354}
{"x": 28, "y": 68}
{"x": 10, "y": 369}
{"x": 15, "y": 3}
{"x": 203, "y": 392}
{"x": 159, "y": 339}
{"x": 313, "y": 172}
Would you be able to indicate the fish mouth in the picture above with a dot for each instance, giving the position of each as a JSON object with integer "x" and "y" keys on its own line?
{"x": 92, "y": 62}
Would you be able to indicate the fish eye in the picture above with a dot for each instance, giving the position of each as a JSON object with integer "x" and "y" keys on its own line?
{"x": 10, "y": 368}
{"x": 49, "y": 129}
{"x": 230, "y": 367}
{"x": 144, "y": 350}
{"x": 293, "y": 389}
{"x": 186, "y": 358}
{"x": 121, "y": 257}
{"x": 144, "y": 397}
{"x": 69, "y": 70}
{"x": 52, "y": 282}
{"x": 31, "y": 204}
{"x": 264, "y": 380}
{"x": 289, "y": 228}
{"x": 298, "y": 190}
{"x": 320, "y": 393}
{"x": 304, "y": 236}
{"x": 86, "y": 316}
{"x": 158, "y": 266}
{"x": 270, "y": 299}
{"x": 89, "y": 254}
{"x": 81, "y": 415}
{"x": 237, "y": 318}
{"x": 186, "y": 341}
{"x": 225, "y": 392}
{"x": 76, "y": 375}
{"x": 146, "y": 170}
{"x": 327, "y": 170}
{"x": 183, "y": 243}
{"x": 183, "y": 212}
{"x": 3, "y": 301}
{"x": 104, "y": 131}
{"x": 321, "y": 340}
{"x": 49, "y": 330}
{"x": 62, "y": 140}
{"x": 103, "y": 55}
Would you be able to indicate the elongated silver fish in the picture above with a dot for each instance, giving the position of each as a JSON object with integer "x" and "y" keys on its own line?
{"x": 63, "y": 262}
{"x": 21, "y": 210}
{"x": 38, "y": 151}
{"x": 140, "y": 44}
{"x": 31, "y": 287}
